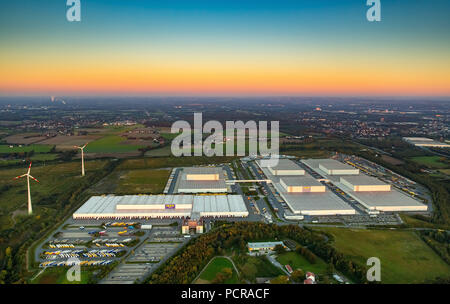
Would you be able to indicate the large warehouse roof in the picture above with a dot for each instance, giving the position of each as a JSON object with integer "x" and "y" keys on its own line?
{"x": 202, "y": 170}
{"x": 286, "y": 164}
{"x": 196, "y": 184}
{"x": 362, "y": 180}
{"x": 176, "y": 205}
{"x": 304, "y": 180}
{"x": 200, "y": 185}
{"x": 334, "y": 167}
{"x": 387, "y": 201}
{"x": 318, "y": 203}
{"x": 219, "y": 203}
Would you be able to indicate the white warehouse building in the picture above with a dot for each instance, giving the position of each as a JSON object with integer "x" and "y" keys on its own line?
{"x": 364, "y": 183}
{"x": 201, "y": 180}
{"x": 161, "y": 206}
{"x": 286, "y": 167}
{"x": 295, "y": 184}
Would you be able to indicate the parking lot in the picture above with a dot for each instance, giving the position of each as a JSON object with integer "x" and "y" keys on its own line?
{"x": 152, "y": 252}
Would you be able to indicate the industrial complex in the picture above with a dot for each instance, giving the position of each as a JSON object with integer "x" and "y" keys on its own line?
{"x": 370, "y": 192}
{"x": 302, "y": 193}
{"x": 425, "y": 142}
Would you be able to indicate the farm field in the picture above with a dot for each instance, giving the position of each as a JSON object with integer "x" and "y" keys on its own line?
{"x": 143, "y": 181}
{"x": 445, "y": 171}
{"x": 168, "y": 162}
{"x": 217, "y": 265}
{"x": 404, "y": 257}
{"x": 68, "y": 142}
{"x": 24, "y": 138}
{"x": 434, "y": 162}
{"x": 164, "y": 151}
{"x": 16, "y": 149}
{"x": 110, "y": 144}
{"x": 296, "y": 261}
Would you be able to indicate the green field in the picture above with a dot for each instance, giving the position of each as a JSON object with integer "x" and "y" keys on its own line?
{"x": 53, "y": 180}
{"x": 58, "y": 275}
{"x": 111, "y": 144}
{"x": 404, "y": 257}
{"x": 170, "y": 162}
{"x": 216, "y": 265}
{"x": 297, "y": 261}
{"x": 434, "y": 162}
{"x": 143, "y": 181}
{"x": 164, "y": 151}
{"x": 16, "y": 149}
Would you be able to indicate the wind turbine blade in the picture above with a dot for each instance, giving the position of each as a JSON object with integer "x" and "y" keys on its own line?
{"x": 20, "y": 176}
{"x": 77, "y": 147}
{"x": 29, "y": 168}
{"x": 34, "y": 178}
{"x": 85, "y": 145}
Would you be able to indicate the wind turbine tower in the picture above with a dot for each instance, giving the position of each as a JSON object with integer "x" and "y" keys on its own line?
{"x": 82, "y": 157}
{"x": 30, "y": 208}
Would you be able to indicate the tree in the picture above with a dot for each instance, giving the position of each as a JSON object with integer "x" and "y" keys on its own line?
{"x": 279, "y": 249}
{"x": 330, "y": 269}
{"x": 282, "y": 279}
{"x": 298, "y": 275}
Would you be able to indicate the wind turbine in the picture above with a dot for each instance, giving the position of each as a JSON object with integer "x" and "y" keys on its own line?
{"x": 30, "y": 209}
{"x": 82, "y": 157}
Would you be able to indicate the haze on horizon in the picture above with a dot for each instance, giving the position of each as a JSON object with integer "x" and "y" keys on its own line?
{"x": 225, "y": 48}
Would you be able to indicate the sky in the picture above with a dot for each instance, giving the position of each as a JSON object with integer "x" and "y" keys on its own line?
{"x": 233, "y": 47}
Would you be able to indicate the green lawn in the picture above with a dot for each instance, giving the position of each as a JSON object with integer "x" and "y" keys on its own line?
{"x": 110, "y": 144}
{"x": 436, "y": 162}
{"x": 296, "y": 261}
{"x": 164, "y": 151}
{"x": 16, "y": 149}
{"x": 58, "y": 275}
{"x": 216, "y": 266}
{"x": 143, "y": 181}
{"x": 404, "y": 257}
{"x": 252, "y": 267}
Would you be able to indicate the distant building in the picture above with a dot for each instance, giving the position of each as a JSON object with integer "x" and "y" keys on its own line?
{"x": 425, "y": 142}
{"x": 263, "y": 246}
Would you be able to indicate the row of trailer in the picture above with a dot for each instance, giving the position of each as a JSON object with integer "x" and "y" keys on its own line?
{"x": 111, "y": 253}
{"x": 61, "y": 245}
{"x": 71, "y": 263}
{"x": 121, "y": 224}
